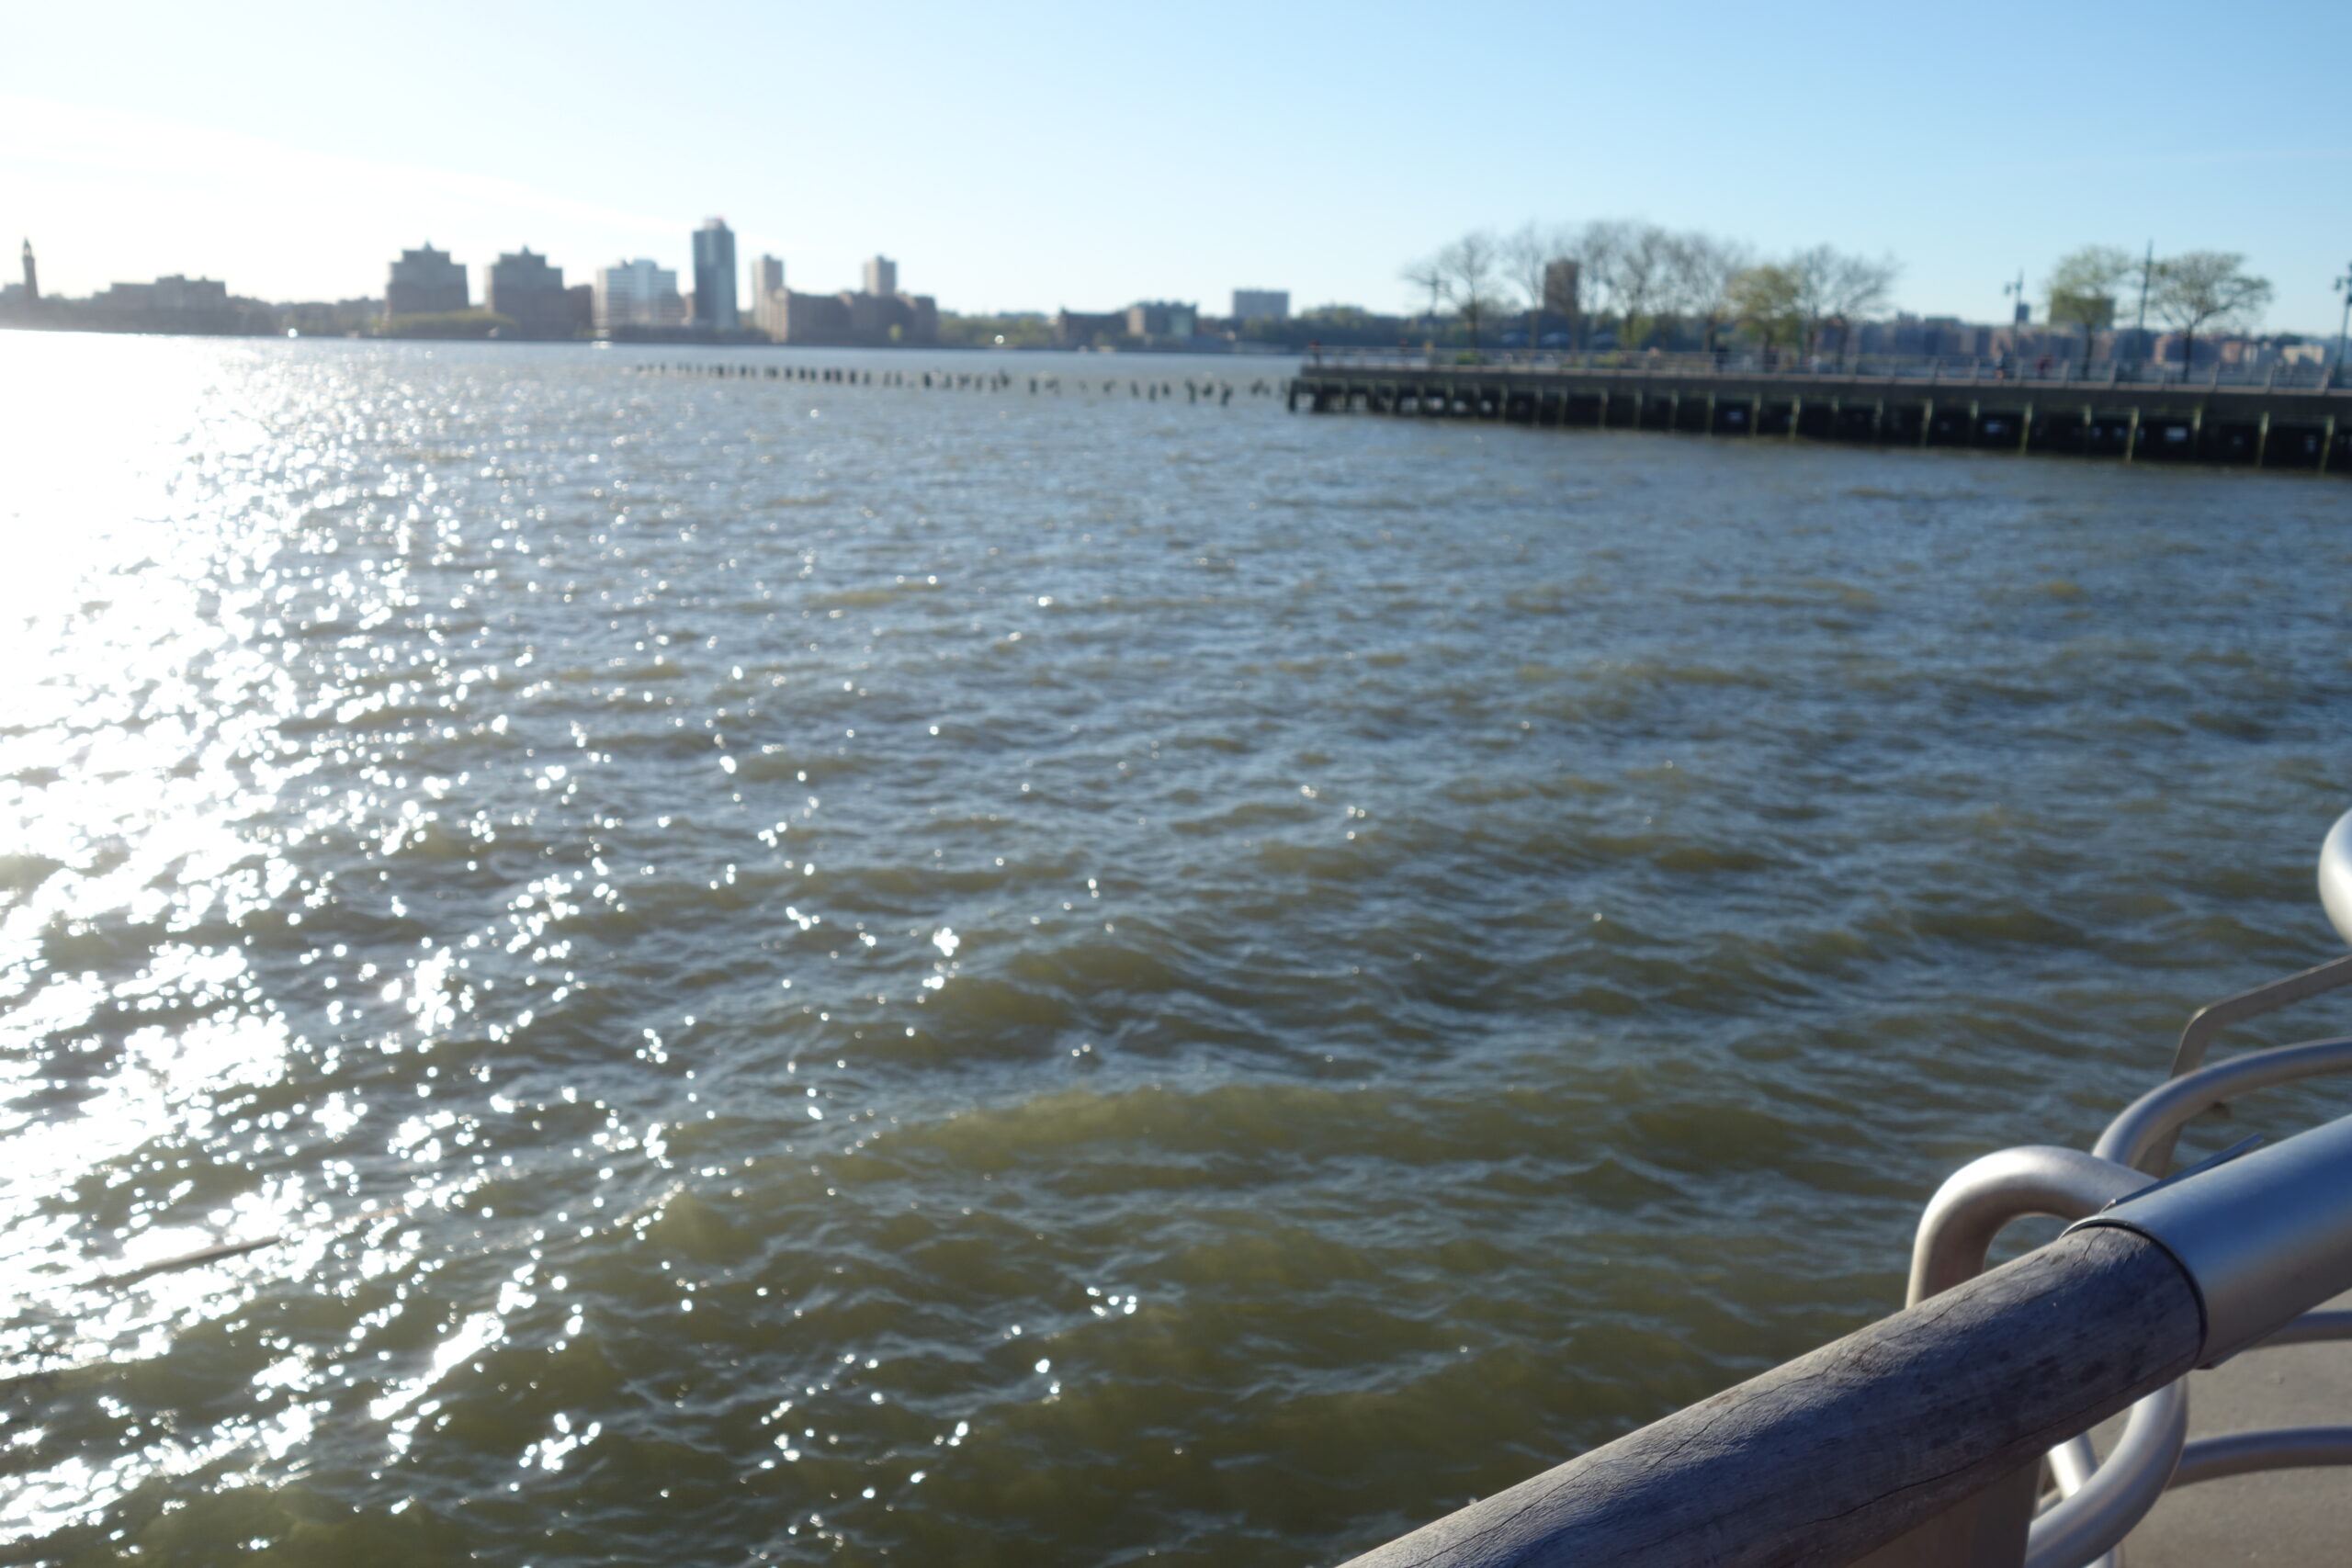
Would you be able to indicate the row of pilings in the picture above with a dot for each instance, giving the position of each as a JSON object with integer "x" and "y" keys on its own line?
{"x": 1206, "y": 390}
{"x": 2253, "y": 426}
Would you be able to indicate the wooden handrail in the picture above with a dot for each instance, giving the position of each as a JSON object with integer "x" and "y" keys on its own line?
{"x": 1822, "y": 1459}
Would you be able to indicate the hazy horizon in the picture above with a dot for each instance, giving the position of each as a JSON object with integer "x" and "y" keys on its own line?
{"x": 1047, "y": 157}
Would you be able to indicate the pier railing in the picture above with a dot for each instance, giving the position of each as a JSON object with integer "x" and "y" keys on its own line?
{"x": 1921, "y": 1440}
{"x": 2277, "y": 376}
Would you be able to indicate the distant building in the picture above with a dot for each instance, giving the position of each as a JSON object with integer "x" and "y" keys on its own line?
{"x": 767, "y": 284}
{"x": 852, "y": 319}
{"x": 1561, "y": 281}
{"x": 524, "y": 288}
{"x": 768, "y": 313}
{"x": 808, "y": 318}
{"x": 870, "y": 315}
{"x": 714, "y": 277}
{"x": 32, "y": 276}
{"x": 637, "y": 294}
{"x": 1161, "y": 318}
{"x": 425, "y": 281}
{"x": 1261, "y": 305}
{"x": 922, "y": 318}
{"x": 174, "y": 294}
{"x": 877, "y": 316}
{"x": 1085, "y": 329}
{"x": 174, "y": 304}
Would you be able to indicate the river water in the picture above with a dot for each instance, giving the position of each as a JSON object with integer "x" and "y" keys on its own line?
{"x": 797, "y": 971}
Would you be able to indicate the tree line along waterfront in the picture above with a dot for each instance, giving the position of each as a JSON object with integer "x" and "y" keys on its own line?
{"x": 1629, "y": 284}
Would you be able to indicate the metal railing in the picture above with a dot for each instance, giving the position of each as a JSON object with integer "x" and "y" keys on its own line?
{"x": 2277, "y": 376}
{"x": 1935, "y": 1459}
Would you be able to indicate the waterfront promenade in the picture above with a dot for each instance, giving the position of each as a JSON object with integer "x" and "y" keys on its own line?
{"x": 2283, "y": 1518}
{"x": 2281, "y": 417}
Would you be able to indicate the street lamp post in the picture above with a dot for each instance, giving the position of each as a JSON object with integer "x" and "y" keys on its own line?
{"x": 2140, "y": 328}
{"x": 2018, "y": 318}
{"x": 2342, "y": 287}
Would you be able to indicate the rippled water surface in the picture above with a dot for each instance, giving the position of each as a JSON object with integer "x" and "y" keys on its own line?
{"x": 815, "y": 973}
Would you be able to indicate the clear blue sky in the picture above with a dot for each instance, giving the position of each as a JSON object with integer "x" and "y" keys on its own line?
{"x": 1034, "y": 155}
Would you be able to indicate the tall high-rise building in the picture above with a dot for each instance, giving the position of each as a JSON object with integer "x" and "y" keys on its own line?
{"x": 882, "y": 277}
{"x": 425, "y": 280}
{"x": 715, "y": 276}
{"x": 638, "y": 294}
{"x": 1261, "y": 304}
{"x": 523, "y": 288}
{"x": 32, "y": 276}
{"x": 768, "y": 304}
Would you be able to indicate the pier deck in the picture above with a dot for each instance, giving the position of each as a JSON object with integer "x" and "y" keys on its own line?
{"x": 2251, "y": 425}
{"x": 2283, "y": 1518}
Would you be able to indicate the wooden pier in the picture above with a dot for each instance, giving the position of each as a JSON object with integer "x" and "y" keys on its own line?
{"x": 2247, "y": 424}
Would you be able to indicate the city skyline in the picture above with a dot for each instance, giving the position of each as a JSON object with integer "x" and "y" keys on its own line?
{"x": 526, "y": 297}
{"x": 129, "y": 164}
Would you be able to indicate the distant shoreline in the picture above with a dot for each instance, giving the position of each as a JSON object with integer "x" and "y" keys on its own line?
{"x": 1239, "y": 350}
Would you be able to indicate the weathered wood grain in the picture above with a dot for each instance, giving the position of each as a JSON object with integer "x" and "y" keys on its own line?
{"x": 1819, "y": 1460}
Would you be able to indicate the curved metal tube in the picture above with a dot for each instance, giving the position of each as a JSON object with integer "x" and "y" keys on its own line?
{"x": 1977, "y": 1200}
{"x": 2134, "y": 1135}
{"x": 2120, "y": 1492}
{"x": 1956, "y": 1231}
{"x": 2241, "y": 1453}
{"x": 2335, "y": 897}
{"x": 2099, "y": 1504}
{"x": 2335, "y": 876}
{"x": 2072, "y": 1464}
{"x": 2269, "y": 997}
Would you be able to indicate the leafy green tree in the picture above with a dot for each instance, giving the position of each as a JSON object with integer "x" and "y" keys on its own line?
{"x": 2082, "y": 289}
{"x": 1766, "y": 300}
{"x": 1700, "y": 270}
{"x": 2199, "y": 289}
{"x": 1028, "y": 331}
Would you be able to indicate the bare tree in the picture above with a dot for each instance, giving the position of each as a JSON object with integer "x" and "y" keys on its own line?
{"x": 1700, "y": 268}
{"x": 1427, "y": 277}
{"x": 1594, "y": 248}
{"x": 1834, "y": 287}
{"x": 2200, "y": 287}
{"x": 1636, "y": 260}
{"x": 1529, "y": 256}
{"x": 2082, "y": 289}
{"x": 1471, "y": 269}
